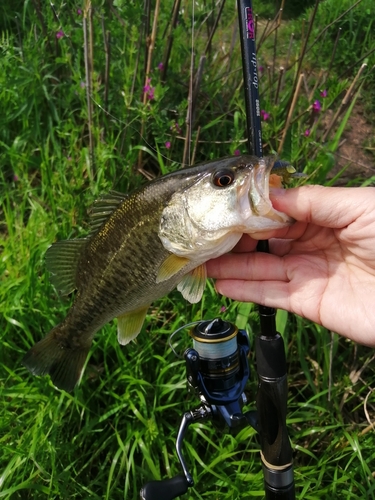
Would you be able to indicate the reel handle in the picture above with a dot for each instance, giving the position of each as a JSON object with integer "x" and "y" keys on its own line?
{"x": 166, "y": 489}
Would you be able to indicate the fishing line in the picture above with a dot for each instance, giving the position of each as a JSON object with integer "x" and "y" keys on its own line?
{"x": 208, "y": 347}
{"x": 193, "y": 323}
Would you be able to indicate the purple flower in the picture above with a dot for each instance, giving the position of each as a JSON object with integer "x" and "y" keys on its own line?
{"x": 147, "y": 87}
{"x": 324, "y": 93}
{"x": 168, "y": 144}
{"x": 60, "y": 34}
{"x": 79, "y": 12}
{"x": 260, "y": 69}
{"x": 175, "y": 128}
{"x": 307, "y": 132}
{"x": 316, "y": 106}
{"x": 15, "y": 178}
{"x": 82, "y": 85}
{"x": 264, "y": 115}
{"x": 237, "y": 152}
{"x": 223, "y": 309}
{"x": 160, "y": 66}
{"x": 149, "y": 90}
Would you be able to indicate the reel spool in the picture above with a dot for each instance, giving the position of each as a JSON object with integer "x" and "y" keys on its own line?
{"x": 217, "y": 367}
{"x": 216, "y": 345}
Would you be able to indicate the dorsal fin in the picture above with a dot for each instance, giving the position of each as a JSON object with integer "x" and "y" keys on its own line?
{"x": 61, "y": 261}
{"x": 103, "y": 207}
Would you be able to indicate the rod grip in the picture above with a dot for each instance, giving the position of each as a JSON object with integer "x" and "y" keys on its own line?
{"x": 287, "y": 493}
{"x": 271, "y": 401}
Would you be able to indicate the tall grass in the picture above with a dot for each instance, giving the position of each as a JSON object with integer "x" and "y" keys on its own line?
{"x": 117, "y": 430}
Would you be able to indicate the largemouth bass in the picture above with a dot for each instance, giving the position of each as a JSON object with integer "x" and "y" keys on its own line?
{"x": 145, "y": 244}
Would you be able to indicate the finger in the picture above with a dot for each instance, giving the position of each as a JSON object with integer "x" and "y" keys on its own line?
{"x": 267, "y": 293}
{"x": 248, "y": 266}
{"x": 325, "y": 206}
{"x": 281, "y": 247}
{"x": 246, "y": 244}
{"x": 294, "y": 232}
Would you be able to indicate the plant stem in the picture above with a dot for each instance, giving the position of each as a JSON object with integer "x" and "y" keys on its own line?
{"x": 303, "y": 51}
{"x": 264, "y": 33}
{"x": 311, "y": 95}
{"x": 168, "y": 48}
{"x": 88, "y": 38}
{"x": 148, "y": 66}
{"x": 188, "y": 120}
{"x": 208, "y": 45}
{"x": 344, "y": 102}
{"x": 107, "y": 50}
{"x": 281, "y": 74}
{"x": 151, "y": 46}
{"x": 197, "y": 84}
{"x": 287, "y": 60}
{"x": 195, "y": 145}
{"x": 290, "y": 113}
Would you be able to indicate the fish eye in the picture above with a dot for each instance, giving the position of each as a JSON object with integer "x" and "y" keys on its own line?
{"x": 223, "y": 178}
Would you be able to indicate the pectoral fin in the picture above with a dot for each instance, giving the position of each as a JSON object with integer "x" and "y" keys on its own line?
{"x": 130, "y": 324}
{"x": 171, "y": 266}
{"x": 193, "y": 284}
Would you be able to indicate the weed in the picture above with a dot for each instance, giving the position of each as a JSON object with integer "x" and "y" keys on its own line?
{"x": 73, "y": 124}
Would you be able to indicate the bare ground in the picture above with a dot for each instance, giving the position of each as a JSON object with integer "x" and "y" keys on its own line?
{"x": 353, "y": 151}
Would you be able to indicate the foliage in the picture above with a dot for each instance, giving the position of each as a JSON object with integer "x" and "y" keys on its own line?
{"x": 117, "y": 430}
{"x": 357, "y": 28}
{"x": 355, "y": 34}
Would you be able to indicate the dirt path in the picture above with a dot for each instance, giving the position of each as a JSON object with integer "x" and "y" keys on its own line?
{"x": 352, "y": 151}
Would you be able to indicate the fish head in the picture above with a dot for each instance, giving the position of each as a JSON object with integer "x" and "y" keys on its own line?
{"x": 223, "y": 200}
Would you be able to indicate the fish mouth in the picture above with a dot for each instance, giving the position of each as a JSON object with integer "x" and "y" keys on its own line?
{"x": 259, "y": 192}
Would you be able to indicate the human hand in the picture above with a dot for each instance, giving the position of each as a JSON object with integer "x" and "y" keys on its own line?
{"x": 321, "y": 268}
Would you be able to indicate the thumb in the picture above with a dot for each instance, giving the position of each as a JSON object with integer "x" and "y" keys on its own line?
{"x": 325, "y": 206}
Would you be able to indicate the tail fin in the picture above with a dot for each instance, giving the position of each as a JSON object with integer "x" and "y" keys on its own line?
{"x": 54, "y": 357}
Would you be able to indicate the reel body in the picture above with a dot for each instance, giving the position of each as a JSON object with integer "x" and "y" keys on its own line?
{"x": 217, "y": 369}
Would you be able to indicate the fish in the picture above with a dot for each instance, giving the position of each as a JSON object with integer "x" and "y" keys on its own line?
{"x": 145, "y": 244}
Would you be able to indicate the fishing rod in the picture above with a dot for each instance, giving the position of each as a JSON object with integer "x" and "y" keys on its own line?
{"x": 271, "y": 400}
{"x": 217, "y": 364}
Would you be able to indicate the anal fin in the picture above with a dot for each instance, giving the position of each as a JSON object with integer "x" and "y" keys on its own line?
{"x": 193, "y": 284}
{"x": 130, "y": 324}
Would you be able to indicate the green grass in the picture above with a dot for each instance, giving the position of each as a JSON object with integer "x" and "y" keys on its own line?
{"x": 118, "y": 429}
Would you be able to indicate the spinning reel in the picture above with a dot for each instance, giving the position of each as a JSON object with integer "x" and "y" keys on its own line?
{"x": 217, "y": 370}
